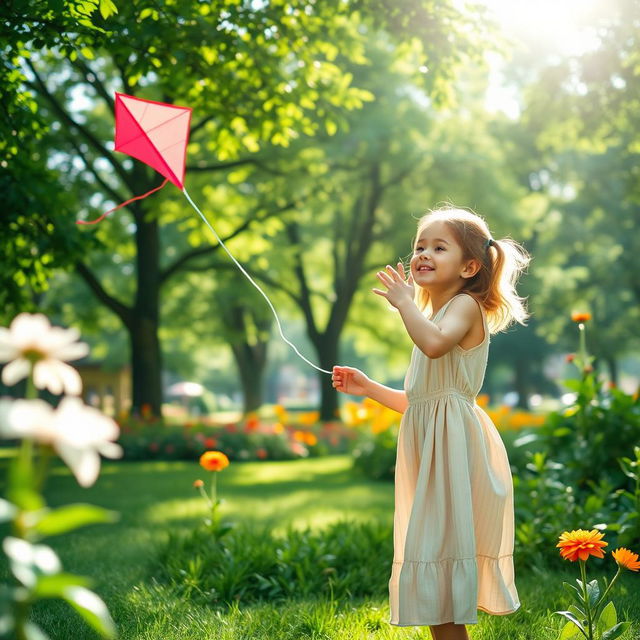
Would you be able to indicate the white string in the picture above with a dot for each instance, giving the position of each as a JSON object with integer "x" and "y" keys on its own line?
{"x": 193, "y": 204}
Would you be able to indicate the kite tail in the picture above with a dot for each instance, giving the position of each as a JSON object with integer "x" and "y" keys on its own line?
{"x": 192, "y": 203}
{"x": 124, "y": 204}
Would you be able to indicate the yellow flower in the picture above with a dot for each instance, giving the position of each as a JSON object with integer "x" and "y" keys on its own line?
{"x": 626, "y": 559}
{"x": 309, "y": 418}
{"x": 214, "y": 460}
{"x": 580, "y": 544}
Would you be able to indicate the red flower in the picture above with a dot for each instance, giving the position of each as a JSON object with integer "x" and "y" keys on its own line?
{"x": 210, "y": 443}
{"x": 570, "y": 357}
{"x": 261, "y": 453}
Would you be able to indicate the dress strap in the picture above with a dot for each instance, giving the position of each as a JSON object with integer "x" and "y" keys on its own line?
{"x": 446, "y": 304}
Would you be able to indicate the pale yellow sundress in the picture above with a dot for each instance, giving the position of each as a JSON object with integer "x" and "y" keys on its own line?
{"x": 453, "y": 520}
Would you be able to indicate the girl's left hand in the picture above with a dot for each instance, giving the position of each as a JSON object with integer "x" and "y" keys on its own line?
{"x": 399, "y": 290}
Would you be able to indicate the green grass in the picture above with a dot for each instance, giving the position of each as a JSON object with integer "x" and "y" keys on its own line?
{"x": 154, "y": 497}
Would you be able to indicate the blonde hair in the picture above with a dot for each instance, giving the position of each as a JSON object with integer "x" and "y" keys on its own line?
{"x": 502, "y": 262}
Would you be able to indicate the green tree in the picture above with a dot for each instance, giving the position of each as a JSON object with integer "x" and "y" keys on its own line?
{"x": 258, "y": 74}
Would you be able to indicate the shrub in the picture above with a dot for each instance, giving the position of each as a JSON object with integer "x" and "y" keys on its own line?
{"x": 251, "y": 564}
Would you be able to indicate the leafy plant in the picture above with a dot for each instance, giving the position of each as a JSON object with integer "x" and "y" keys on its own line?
{"x": 35, "y": 350}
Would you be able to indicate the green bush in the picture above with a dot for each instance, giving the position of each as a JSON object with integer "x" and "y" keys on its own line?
{"x": 375, "y": 455}
{"x": 249, "y": 564}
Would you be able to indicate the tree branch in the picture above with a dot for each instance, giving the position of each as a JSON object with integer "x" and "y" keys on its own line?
{"x": 275, "y": 284}
{"x": 179, "y": 263}
{"x": 305, "y": 292}
{"x": 41, "y": 88}
{"x": 106, "y": 187}
{"x": 88, "y": 73}
{"x": 120, "y": 309}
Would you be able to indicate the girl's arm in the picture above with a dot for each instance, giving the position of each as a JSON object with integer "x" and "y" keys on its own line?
{"x": 395, "y": 399}
{"x": 355, "y": 382}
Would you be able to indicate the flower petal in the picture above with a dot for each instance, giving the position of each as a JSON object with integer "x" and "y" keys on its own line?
{"x": 83, "y": 463}
{"x": 45, "y": 376}
{"x": 8, "y": 350}
{"x": 15, "y": 371}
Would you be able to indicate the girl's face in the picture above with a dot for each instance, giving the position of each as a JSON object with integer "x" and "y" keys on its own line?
{"x": 437, "y": 258}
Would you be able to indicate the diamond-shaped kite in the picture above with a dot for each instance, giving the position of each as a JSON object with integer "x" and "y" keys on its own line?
{"x": 155, "y": 133}
{"x": 158, "y": 133}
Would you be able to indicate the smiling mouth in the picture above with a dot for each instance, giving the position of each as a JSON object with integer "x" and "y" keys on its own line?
{"x": 426, "y": 269}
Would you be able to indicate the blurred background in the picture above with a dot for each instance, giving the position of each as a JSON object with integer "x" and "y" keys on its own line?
{"x": 321, "y": 132}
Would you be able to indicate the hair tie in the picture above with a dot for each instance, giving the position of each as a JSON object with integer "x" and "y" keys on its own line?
{"x": 489, "y": 242}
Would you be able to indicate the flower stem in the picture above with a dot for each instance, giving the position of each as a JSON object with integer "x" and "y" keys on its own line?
{"x": 587, "y": 605}
{"x": 604, "y": 595}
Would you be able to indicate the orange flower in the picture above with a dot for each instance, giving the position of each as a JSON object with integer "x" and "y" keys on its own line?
{"x": 626, "y": 559}
{"x": 580, "y": 544}
{"x": 253, "y": 422}
{"x": 581, "y": 316}
{"x": 214, "y": 460}
{"x": 570, "y": 357}
{"x": 198, "y": 483}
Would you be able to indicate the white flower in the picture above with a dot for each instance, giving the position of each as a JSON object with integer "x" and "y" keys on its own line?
{"x": 77, "y": 432}
{"x": 32, "y": 339}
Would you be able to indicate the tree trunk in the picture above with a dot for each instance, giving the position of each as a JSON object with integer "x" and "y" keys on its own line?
{"x": 146, "y": 361}
{"x": 521, "y": 383}
{"x": 612, "y": 365}
{"x": 327, "y": 346}
{"x": 146, "y": 354}
{"x": 251, "y": 361}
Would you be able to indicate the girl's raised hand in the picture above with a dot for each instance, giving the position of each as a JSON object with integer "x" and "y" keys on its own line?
{"x": 399, "y": 290}
{"x": 350, "y": 380}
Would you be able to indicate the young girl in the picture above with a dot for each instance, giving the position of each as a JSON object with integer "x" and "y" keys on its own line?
{"x": 453, "y": 519}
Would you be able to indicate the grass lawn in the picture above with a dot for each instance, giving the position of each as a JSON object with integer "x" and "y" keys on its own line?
{"x": 153, "y": 497}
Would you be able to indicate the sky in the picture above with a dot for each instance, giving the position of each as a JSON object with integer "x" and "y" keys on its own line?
{"x": 558, "y": 28}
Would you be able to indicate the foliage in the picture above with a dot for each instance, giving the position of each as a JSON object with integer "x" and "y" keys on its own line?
{"x": 580, "y": 470}
{"x": 599, "y": 428}
{"x": 251, "y": 564}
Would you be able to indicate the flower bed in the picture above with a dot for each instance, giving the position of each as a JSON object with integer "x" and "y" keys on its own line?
{"x": 249, "y": 439}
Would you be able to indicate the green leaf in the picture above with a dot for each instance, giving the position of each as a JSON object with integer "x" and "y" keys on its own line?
{"x": 92, "y": 609}
{"x": 55, "y": 586}
{"x": 593, "y": 592}
{"x": 71, "y": 517}
{"x": 616, "y": 631}
{"x": 575, "y": 593}
{"x": 569, "y": 616}
{"x": 569, "y": 632}
{"x": 607, "y": 619}
{"x": 107, "y": 8}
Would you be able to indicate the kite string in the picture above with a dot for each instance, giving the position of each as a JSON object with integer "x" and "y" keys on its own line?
{"x": 192, "y": 203}
{"x": 124, "y": 204}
